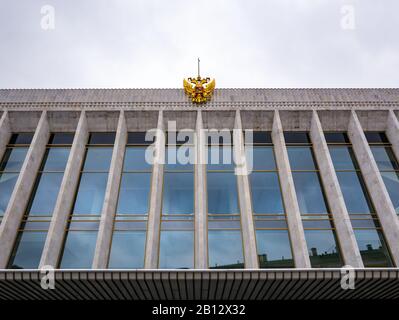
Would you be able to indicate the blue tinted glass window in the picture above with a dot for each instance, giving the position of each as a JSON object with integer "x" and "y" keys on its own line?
{"x": 180, "y": 158}
{"x": 323, "y": 251}
{"x": 56, "y": 159}
{"x": 309, "y": 193}
{"x": 301, "y": 158}
{"x": 90, "y": 196}
{"x": 222, "y": 192}
{"x": 262, "y": 158}
{"x": 61, "y": 138}
{"x": 135, "y": 159}
{"x": 220, "y": 158}
{"x": 266, "y": 193}
{"x": 13, "y": 159}
{"x": 102, "y": 138}
{"x": 127, "y": 250}
{"x": 178, "y": 193}
{"x": 7, "y": 183}
{"x": 391, "y": 181}
{"x": 342, "y": 158}
{"x": 225, "y": 249}
{"x": 372, "y": 248}
{"x": 46, "y": 192}
{"x": 134, "y": 193}
{"x": 29, "y": 250}
{"x": 384, "y": 158}
{"x": 176, "y": 250}
{"x": 79, "y": 250}
{"x": 274, "y": 249}
{"x": 354, "y": 193}
{"x": 21, "y": 138}
{"x": 98, "y": 159}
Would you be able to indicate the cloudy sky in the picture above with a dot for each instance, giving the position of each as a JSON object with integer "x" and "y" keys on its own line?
{"x": 155, "y": 43}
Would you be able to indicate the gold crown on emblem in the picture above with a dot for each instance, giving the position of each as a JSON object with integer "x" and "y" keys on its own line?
{"x": 199, "y": 89}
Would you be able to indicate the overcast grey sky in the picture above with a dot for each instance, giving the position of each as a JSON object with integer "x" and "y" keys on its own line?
{"x": 154, "y": 44}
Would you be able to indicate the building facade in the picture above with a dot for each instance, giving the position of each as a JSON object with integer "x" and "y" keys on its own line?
{"x": 308, "y": 184}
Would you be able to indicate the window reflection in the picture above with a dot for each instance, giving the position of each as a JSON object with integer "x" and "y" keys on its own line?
{"x": 30, "y": 247}
{"x": 316, "y": 217}
{"x": 323, "y": 251}
{"x": 266, "y": 193}
{"x": 274, "y": 249}
{"x": 127, "y": 250}
{"x": 176, "y": 250}
{"x": 178, "y": 193}
{"x": 225, "y": 249}
{"x": 365, "y": 222}
{"x": 36, "y": 220}
{"x": 82, "y": 229}
{"x": 79, "y": 250}
{"x": 222, "y": 192}
{"x": 130, "y": 224}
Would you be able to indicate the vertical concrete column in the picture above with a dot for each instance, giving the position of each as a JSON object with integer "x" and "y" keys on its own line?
{"x": 66, "y": 194}
{"x": 346, "y": 236}
{"x": 154, "y": 215}
{"x": 201, "y": 230}
{"x": 392, "y": 132}
{"x": 378, "y": 193}
{"x": 295, "y": 226}
{"x": 22, "y": 190}
{"x": 244, "y": 195}
{"x": 5, "y": 133}
{"x": 103, "y": 244}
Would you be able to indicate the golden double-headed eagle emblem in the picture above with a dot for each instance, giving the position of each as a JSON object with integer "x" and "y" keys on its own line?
{"x": 199, "y": 89}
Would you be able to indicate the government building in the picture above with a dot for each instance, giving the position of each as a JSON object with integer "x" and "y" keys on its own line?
{"x": 254, "y": 194}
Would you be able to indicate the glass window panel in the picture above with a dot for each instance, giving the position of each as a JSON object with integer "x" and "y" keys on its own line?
{"x": 45, "y": 194}
{"x": 180, "y": 158}
{"x": 262, "y": 158}
{"x": 139, "y": 138}
{"x": 372, "y": 248}
{"x": 79, "y": 250}
{"x": 21, "y": 138}
{"x": 353, "y": 190}
{"x": 135, "y": 159}
{"x": 220, "y": 158}
{"x": 61, "y": 138}
{"x": 13, "y": 159}
{"x": 343, "y": 158}
{"x": 391, "y": 181}
{"x": 301, "y": 158}
{"x": 134, "y": 193}
{"x": 56, "y": 159}
{"x": 222, "y": 192}
{"x": 127, "y": 250}
{"x": 258, "y": 137}
{"x": 296, "y": 137}
{"x": 323, "y": 250}
{"x": 98, "y": 159}
{"x": 29, "y": 250}
{"x": 7, "y": 183}
{"x": 90, "y": 196}
{"x": 274, "y": 249}
{"x": 376, "y": 137}
{"x": 225, "y": 249}
{"x": 384, "y": 158}
{"x": 102, "y": 138}
{"x": 336, "y": 137}
{"x": 178, "y": 193}
{"x": 309, "y": 193}
{"x": 266, "y": 193}
{"x": 176, "y": 250}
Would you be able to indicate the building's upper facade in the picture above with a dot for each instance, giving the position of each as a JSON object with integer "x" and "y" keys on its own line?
{"x": 77, "y": 190}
